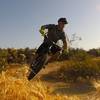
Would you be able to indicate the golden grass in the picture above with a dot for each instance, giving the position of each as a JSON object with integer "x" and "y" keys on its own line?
{"x": 15, "y": 86}
{"x": 12, "y": 88}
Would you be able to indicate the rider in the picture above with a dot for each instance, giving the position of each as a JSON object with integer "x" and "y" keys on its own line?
{"x": 55, "y": 33}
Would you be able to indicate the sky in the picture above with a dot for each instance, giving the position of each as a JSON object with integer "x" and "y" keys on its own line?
{"x": 20, "y": 21}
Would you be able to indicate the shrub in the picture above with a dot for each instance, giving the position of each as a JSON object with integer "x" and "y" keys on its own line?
{"x": 86, "y": 69}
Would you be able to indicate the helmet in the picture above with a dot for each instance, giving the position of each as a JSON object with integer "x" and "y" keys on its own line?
{"x": 62, "y": 20}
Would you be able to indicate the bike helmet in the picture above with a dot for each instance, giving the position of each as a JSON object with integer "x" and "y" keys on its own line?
{"x": 62, "y": 20}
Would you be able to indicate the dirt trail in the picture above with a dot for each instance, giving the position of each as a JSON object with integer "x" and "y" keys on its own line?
{"x": 49, "y": 68}
{"x": 44, "y": 72}
{"x": 82, "y": 89}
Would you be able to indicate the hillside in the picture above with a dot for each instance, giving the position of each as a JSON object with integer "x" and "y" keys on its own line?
{"x": 45, "y": 86}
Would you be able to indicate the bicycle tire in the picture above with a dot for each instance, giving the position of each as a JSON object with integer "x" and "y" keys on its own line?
{"x": 37, "y": 66}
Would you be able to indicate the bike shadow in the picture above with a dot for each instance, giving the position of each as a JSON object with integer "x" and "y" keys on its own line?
{"x": 50, "y": 77}
{"x": 82, "y": 87}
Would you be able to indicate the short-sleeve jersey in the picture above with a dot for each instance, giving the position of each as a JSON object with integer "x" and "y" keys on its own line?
{"x": 54, "y": 34}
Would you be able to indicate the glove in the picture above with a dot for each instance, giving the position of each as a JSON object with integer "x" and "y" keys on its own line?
{"x": 42, "y": 31}
{"x": 65, "y": 52}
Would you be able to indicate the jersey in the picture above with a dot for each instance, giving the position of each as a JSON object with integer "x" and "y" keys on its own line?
{"x": 54, "y": 34}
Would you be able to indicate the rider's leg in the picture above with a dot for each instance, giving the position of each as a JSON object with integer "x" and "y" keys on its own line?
{"x": 53, "y": 55}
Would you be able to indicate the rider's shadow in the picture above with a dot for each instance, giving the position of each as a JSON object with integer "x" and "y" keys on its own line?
{"x": 75, "y": 89}
{"x": 70, "y": 88}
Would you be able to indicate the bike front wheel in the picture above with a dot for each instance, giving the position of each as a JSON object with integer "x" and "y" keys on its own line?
{"x": 37, "y": 66}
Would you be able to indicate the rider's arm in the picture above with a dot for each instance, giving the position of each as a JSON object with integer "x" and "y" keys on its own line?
{"x": 43, "y": 27}
{"x": 47, "y": 26}
{"x": 65, "y": 45}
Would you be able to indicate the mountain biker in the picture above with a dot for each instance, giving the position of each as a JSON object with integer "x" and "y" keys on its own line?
{"x": 55, "y": 33}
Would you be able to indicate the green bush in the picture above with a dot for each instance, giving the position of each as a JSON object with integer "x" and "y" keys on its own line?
{"x": 75, "y": 70}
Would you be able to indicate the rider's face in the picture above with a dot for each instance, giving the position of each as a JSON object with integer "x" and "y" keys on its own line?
{"x": 61, "y": 25}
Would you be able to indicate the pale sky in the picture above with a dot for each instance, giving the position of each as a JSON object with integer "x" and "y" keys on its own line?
{"x": 20, "y": 21}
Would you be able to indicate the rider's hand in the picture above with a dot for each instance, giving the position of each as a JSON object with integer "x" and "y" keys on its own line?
{"x": 42, "y": 31}
{"x": 65, "y": 52}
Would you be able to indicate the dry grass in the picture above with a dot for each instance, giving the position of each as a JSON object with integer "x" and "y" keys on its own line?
{"x": 15, "y": 86}
{"x": 20, "y": 89}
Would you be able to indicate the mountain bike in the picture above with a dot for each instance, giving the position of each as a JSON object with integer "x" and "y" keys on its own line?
{"x": 42, "y": 59}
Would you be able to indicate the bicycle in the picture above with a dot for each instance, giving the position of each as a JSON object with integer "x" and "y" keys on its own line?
{"x": 42, "y": 59}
